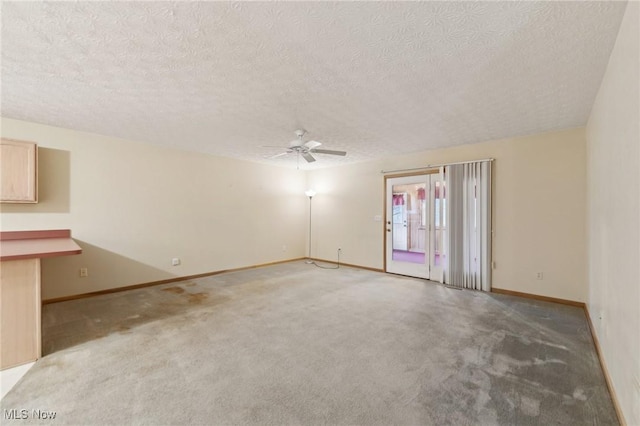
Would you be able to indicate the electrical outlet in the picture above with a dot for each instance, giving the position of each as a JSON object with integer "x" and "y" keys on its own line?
{"x": 84, "y": 272}
{"x": 284, "y": 248}
{"x": 539, "y": 276}
{"x": 175, "y": 261}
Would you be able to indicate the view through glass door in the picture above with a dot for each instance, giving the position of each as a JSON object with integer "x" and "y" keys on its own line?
{"x": 414, "y": 226}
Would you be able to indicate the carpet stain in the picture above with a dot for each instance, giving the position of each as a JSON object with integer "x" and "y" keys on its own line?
{"x": 197, "y": 298}
{"x": 175, "y": 290}
{"x": 538, "y": 361}
{"x": 579, "y": 394}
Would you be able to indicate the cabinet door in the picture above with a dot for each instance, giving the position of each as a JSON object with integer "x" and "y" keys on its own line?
{"x": 19, "y": 171}
{"x": 19, "y": 312}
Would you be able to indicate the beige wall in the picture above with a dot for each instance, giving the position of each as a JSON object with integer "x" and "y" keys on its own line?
{"x": 539, "y": 210}
{"x": 134, "y": 206}
{"x": 613, "y": 141}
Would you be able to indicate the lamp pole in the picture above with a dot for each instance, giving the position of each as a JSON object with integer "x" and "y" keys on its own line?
{"x": 310, "y": 193}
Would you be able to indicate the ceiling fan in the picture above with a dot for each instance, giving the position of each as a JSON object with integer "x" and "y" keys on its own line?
{"x": 305, "y": 149}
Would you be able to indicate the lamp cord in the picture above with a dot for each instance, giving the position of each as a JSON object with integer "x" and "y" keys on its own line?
{"x": 326, "y": 267}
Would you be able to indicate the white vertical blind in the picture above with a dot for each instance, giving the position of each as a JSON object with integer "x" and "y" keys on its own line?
{"x": 468, "y": 231}
{"x": 442, "y": 221}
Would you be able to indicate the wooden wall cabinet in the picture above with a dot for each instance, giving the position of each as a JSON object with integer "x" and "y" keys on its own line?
{"x": 18, "y": 171}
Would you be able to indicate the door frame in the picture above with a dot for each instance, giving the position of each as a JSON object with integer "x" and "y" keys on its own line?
{"x": 384, "y": 207}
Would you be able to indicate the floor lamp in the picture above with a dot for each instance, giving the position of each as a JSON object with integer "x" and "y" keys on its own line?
{"x": 310, "y": 193}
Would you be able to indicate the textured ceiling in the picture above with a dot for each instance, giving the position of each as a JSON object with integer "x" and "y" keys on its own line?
{"x": 371, "y": 78}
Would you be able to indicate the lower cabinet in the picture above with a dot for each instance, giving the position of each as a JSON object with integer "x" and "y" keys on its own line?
{"x": 20, "y": 316}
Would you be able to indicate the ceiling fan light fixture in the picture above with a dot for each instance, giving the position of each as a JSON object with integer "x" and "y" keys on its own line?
{"x": 305, "y": 149}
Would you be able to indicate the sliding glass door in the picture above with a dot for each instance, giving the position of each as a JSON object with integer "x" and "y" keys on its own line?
{"x": 414, "y": 226}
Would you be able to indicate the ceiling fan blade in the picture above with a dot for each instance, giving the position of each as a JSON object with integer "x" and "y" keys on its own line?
{"x": 279, "y": 155}
{"x": 308, "y": 157}
{"x": 328, "y": 151}
{"x": 312, "y": 144}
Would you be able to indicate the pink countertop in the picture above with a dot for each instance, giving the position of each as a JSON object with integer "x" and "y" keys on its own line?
{"x": 15, "y": 245}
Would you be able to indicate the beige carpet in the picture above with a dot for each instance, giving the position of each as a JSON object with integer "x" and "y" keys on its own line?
{"x": 295, "y": 344}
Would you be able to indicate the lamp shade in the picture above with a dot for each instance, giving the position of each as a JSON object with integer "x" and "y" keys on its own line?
{"x": 310, "y": 193}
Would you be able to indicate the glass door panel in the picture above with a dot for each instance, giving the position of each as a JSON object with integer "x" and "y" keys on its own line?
{"x": 416, "y": 222}
{"x": 407, "y": 226}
